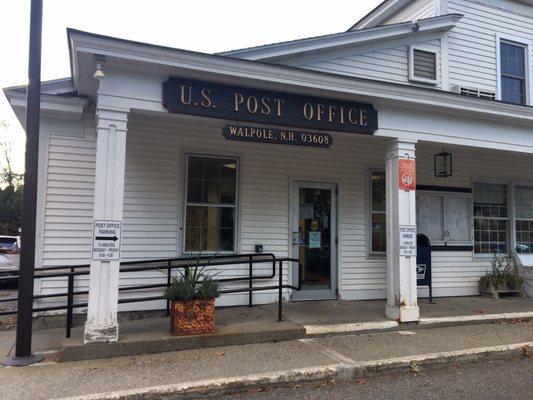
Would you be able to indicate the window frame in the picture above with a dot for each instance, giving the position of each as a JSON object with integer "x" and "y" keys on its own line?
{"x": 510, "y": 215}
{"x": 528, "y": 54}
{"x": 512, "y": 188}
{"x": 370, "y": 252}
{"x": 412, "y": 76}
{"x": 185, "y": 203}
{"x": 445, "y": 195}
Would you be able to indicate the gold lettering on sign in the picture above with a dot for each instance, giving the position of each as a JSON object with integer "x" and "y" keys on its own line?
{"x": 251, "y": 104}
{"x": 185, "y": 94}
{"x": 206, "y": 98}
{"x": 331, "y": 113}
{"x": 265, "y": 105}
{"x": 362, "y": 118}
{"x": 237, "y": 100}
{"x": 352, "y": 118}
{"x": 342, "y": 115}
{"x": 308, "y": 111}
{"x": 279, "y": 102}
{"x": 319, "y": 111}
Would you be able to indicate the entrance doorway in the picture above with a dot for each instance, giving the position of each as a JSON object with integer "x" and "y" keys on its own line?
{"x": 314, "y": 233}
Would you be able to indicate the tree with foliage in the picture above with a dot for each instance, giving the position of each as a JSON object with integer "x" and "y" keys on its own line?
{"x": 11, "y": 187}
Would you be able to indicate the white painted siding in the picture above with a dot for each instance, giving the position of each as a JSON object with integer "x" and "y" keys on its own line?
{"x": 389, "y": 64}
{"x": 414, "y": 11}
{"x": 472, "y": 44}
{"x": 153, "y": 198}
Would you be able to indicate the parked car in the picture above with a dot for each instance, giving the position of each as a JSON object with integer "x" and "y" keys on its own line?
{"x": 9, "y": 256}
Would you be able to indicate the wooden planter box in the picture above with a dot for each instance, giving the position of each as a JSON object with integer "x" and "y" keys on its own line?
{"x": 192, "y": 317}
{"x": 488, "y": 290}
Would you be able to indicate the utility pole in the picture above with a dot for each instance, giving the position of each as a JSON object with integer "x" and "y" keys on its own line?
{"x": 23, "y": 353}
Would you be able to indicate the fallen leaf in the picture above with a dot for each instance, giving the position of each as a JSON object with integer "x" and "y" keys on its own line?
{"x": 220, "y": 353}
{"x": 456, "y": 365}
{"x": 413, "y": 367}
{"x": 257, "y": 390}
{"x": 528, "y": 351}
{"x": 479, "y": 311}
{"x": 361, "y": 381}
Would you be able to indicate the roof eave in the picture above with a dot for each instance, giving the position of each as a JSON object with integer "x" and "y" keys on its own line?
{"x": 288, "y": 49}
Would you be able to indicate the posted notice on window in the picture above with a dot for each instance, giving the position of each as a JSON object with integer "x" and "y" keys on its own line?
{"x": 107, "y": 236}
{"x": 408, "y": 240}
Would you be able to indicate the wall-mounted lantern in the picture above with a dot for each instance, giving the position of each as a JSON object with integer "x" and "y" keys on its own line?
{"x": 443, "y": 164}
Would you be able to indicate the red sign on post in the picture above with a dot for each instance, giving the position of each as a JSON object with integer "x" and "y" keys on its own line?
{"x": 407, "y": 174}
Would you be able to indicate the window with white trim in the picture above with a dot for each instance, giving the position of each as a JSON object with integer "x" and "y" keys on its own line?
{"x": 513, "y": 72}
{"x": 523, "y": 196}
{"x": 491, "y": 218}
{"x": 378, "y": 220}
{"x": 210, "y": 204}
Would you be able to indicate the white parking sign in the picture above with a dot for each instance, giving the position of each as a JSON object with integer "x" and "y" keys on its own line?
{"x": 408, "y": 240}
{"x": 106, "y": 240}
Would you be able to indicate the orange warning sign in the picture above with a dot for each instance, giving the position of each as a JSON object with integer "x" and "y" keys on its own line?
{"x": 407, "y": 174}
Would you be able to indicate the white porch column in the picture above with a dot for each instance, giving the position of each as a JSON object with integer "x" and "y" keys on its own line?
{"x": 401, "y": 211}
{"x": 111, "y": 127}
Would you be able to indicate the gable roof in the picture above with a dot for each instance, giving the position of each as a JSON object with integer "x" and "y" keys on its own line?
{"x": 379, "y": 14}
{"x": 276, "y": 51}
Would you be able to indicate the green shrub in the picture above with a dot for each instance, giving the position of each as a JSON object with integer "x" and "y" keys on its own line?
{"x": 504, "y": 273}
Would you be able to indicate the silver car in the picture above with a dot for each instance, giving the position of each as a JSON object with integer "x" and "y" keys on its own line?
{"x": 9, "y": 256}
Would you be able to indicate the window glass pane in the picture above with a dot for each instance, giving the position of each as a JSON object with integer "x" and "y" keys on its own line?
{"x": 378, "y": 233}
{"x": 490, "y": 218}
{"x": 524, "y": 219}
{"x": 431, "y": 217}
{"x": 209, "y": 228}
{"x": 211, "y": 199}
{"x": 513, "y": 72}
{"x": 378, "y": 191}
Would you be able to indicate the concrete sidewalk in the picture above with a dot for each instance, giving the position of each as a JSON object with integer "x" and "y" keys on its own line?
{"x": 243, "y": 325}
{"x": 233, "y": 368}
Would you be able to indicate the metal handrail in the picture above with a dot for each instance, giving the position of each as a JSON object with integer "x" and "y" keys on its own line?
{"x": 167, "y": 264}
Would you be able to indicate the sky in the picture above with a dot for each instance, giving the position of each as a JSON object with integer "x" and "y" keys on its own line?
{"x": 207, "y": 26}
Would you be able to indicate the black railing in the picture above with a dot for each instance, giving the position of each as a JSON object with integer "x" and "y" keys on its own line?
{"x": 167, "y": 265}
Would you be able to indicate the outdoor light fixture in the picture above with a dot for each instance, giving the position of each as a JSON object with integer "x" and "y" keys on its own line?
{"x": 443, "y": 164}
{"x": 99, "y": 74}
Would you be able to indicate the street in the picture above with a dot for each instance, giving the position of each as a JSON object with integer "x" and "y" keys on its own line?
{"x": 510, "y": 379}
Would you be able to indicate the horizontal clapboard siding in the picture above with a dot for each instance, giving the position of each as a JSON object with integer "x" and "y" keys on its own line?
{"x": 389, "y": 64}
{"x": 414, "y": 11}
{"x": 472, "y": 44}
{"x": 458, "y": 273}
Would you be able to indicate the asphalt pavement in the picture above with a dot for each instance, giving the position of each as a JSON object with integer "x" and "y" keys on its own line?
{"x": 510, "y": 379}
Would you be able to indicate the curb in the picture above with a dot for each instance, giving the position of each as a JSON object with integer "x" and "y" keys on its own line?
{"x": 437, "y": 322}
{"x": 340, "y": 371}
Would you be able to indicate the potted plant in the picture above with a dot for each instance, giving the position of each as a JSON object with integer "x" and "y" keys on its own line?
{"x": 504, "y": 277}
{"x": 192, "y": 302}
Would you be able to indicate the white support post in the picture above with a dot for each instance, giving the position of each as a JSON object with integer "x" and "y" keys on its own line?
{"x": 401, "y": 212}
{"x": 111, "y": 127}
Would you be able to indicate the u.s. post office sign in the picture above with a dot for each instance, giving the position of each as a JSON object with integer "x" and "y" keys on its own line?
{"x": 208, "y": 99}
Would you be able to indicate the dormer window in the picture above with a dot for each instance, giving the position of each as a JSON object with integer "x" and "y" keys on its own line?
{"x": 422, "y": 66}
{"x": 513, "y": 72}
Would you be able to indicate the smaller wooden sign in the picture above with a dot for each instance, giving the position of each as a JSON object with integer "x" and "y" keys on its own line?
{"x": 276, "y": 136}
{"x": 407, "y": 174}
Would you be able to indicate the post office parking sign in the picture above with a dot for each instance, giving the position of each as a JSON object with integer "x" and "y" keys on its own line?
{"x": 408, "y": 240}
{"x": 107, "y": 235}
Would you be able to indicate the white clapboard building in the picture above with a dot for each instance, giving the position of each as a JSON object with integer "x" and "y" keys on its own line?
{"x": 333, "y": 149}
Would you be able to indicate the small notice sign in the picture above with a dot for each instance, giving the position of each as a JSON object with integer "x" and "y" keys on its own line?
{"x": 407, "y": 174}
{"x": 107, "y": 236}
{"x": 408, "y": 240}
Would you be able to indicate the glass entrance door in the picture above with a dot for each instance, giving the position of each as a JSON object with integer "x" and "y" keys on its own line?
{"x": 314, "y": 231}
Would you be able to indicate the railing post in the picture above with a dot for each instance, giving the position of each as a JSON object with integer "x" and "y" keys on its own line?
{"x": 70, "y": 302}
{"x": 250, "y": 282}
{"x": 168, "y": 284}
{"x": 280, "y": 292}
